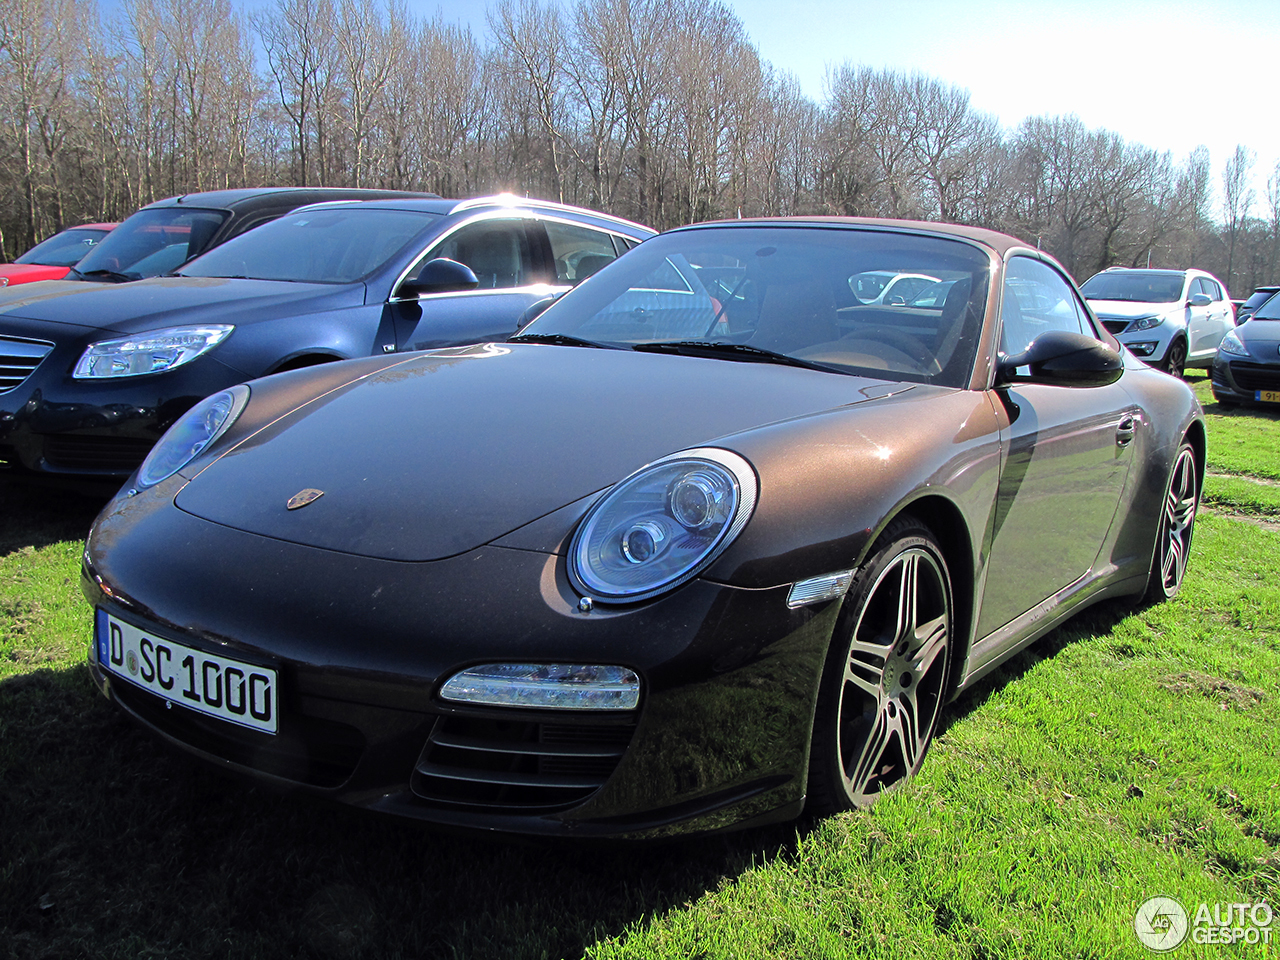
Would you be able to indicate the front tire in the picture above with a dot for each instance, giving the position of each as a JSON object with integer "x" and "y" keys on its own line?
{"x": 1177, "y": 522}
{"x": 1175, "y": 361}
{"x": 886, "y": 674}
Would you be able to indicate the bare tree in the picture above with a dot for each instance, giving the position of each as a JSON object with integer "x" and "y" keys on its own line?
{"x": 1237, "y": 198}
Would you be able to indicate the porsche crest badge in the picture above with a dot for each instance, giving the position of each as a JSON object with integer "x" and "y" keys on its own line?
{"x": 303, "y": 497}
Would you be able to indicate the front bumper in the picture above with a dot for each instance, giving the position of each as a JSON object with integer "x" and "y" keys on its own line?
{"x": 362, "y": 646}
{"x": 52, "y": 424}
{"x": 1238, "y": 380}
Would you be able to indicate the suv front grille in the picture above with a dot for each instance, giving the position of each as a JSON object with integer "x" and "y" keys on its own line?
{"x": 19, "y": 359}
{"x": 1255, "y": 376}
{"x": 1115, "y": 326}
{"x": 517, "y": 764}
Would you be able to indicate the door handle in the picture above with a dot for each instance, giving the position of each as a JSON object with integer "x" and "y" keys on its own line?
{"x": 1125, "y": 432}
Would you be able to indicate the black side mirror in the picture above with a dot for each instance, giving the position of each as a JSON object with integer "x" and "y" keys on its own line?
{"x": 440, "y": 275}
{"x": 1063, "y": 359}
{"x": 534, "y": 310}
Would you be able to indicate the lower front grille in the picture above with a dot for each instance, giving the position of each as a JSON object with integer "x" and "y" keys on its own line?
{"x": 1255, "y": 376}
{"x": 69, "y": 451}
{"x": 19, "y": 359}
{"x": 313, "y": 750}
{"x": 517, "y": 764}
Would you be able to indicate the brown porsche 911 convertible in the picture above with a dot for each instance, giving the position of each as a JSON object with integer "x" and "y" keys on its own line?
{"x": 713, "y": 539}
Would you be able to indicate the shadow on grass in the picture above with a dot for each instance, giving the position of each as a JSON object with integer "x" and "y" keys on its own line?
{"x": 1101, "y": 618}
{"x": 116, "y": 846}
{"x": 34, "y": 514}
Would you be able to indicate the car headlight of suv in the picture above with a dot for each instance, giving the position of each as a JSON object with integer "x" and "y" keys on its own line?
{"x": 662, "y": 525}
{"x": 152, "y": 352}
{"x": 1231, "y": 344}
{"x": 1146, "y": 323}
{"x": 191, "y": 434}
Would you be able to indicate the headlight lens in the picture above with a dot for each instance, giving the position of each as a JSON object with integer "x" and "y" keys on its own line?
{"x": 662, "y": 525}
{"x": 152, "y": 352}
{"x": 1146, "y": 323}
{"x": 193, "y": 432}
{"x": 1232, "y": 344}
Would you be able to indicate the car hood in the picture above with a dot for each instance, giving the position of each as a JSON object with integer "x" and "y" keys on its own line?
{"x": 1255, "y": 333}
{"x": 455, "y": 448}
{"x": 16, "y": 273}
{"x": 166, "y": 301}
{"x": 1128, "y": 310}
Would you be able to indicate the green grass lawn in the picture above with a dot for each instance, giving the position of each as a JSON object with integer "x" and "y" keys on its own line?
{"x": 1127, "y": 755}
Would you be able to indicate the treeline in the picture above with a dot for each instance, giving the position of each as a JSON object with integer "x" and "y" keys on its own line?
{"x": 658, "y": 110}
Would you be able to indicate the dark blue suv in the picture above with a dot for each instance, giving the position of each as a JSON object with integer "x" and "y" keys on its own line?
{"x": 92, "y": 374}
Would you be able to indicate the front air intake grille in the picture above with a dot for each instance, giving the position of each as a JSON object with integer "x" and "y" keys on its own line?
{"x": 1115, "y": 326}
{"x": 308, "y": 749}
{"x": 18, "y": 359}
{"x": 69, "y": 451}
{"x": 517, "y": 764}
{"x": 1255, "y": 376}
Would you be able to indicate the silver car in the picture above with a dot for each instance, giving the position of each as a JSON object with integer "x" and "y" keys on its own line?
{"x": 1172, "y": 319}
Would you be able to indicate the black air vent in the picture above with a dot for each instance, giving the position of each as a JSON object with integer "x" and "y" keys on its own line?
{"x": 1255, "y": 376}
{"x": 517, "y": 764}
{"x": 18, "y": 358}
{"x": 74, "y": 452}
{"x": 1115, "y": 326}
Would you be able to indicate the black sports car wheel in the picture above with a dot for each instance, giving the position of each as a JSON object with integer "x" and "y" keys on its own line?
{"x": 886, "y": 675}
{"x": 1177, "y": 520}
{"x": 1175, "y": 361}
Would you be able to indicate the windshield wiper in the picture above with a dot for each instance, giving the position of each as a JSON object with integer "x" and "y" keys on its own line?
{"x": 558, "y": 339}
{"x": 731, "y": 351}
{"x": 112, "y": 275}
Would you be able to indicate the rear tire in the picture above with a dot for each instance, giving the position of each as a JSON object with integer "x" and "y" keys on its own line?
{"x": 1177, "y": 522}
{"x": 886, "y": 673}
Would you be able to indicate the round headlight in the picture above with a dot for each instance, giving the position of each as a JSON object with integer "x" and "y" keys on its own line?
{"x": 662, "y": 525}
{"x": 194, "y": 431}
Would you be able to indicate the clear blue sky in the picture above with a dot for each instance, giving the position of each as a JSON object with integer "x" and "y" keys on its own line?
{"x": 1169, "y": 75}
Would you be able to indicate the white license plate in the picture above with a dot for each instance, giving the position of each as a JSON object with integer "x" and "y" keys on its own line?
{"x": 216, "y": 686}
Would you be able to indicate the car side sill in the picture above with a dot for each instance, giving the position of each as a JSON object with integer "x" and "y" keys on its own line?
{"x": 1019, "y": 633}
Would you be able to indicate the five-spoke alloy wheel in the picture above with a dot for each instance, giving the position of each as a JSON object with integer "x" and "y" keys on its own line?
{"x": 886, "y": 675}
{"x": 1177, "y": 520}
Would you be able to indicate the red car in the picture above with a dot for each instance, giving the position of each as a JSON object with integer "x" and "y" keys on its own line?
{"x": 53, "y": 257}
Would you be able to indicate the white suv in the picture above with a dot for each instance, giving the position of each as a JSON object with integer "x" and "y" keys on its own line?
{"x": 1172, "y": 319}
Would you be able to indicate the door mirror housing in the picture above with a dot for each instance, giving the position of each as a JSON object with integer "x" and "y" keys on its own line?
{"x": 440, "y": 275}
{"x": 1199, "y": 300}
{"x": 1062, "y": 359}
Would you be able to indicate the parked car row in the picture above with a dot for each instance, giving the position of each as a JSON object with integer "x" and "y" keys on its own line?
{"x": 641, "y": 536}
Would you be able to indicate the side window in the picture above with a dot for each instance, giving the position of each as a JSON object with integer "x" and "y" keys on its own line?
{"x": 578, "y": 251}
{"x": 623, "y": 244}
{"x": 497, "y": 251}
{"x": 1036, "y": 299}
{"x": 1211, "y": 288}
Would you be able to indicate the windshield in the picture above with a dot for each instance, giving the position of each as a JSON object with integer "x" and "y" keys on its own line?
{"x": 752, "y": 290}
{"x": 1136, "y": 286}
{"x": 63, "y": 249}
{"x": 1256, "y": 299}
{"x": 1268, "y": 311}
{"x": 321, "y": 245}
{"x": 151, "y": 243}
